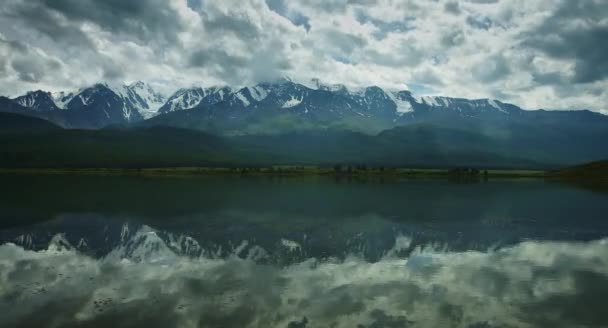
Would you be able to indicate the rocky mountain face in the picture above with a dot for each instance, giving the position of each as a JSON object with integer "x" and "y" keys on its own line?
{"x": 39, "y": 101}
{"x": 273, "y": 108}
{"x": 94, "y": 107}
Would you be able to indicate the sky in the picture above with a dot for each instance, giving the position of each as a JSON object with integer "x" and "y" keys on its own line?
{"x": 550, "y": 54}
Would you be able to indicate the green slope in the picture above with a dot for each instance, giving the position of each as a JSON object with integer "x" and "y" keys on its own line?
{"x": 414, "y": 145}
{"x": 158, "y": 147}
{"x": 595, "y": 171}
{"x": 12, "y": 122}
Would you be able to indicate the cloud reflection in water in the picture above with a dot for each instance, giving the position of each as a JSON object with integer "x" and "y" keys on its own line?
{"x": 148, "y": 284}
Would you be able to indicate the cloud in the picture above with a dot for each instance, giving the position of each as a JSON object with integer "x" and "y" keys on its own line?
{"x": 575, "y": 31}
{"x": 453, "y": 38}
{"x": 384, "y": 27}
{"x": 146, "y": 21}
{"x": 345, "y": 43}
{"x": 280, "y": 7}
{"x": 240, "y": 26}
{"x": 27, "y": 64}
{"x": 480, "y": 22}
{"x": 452, "y": 7}
{"x": 492, "y": 69}
{"x": 49, "y": 23}
{"x": 544, "y": 45}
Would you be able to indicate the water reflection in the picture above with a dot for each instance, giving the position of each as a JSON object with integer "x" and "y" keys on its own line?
{"x": 126, "y": 252}
{"x": 146, "y": 282}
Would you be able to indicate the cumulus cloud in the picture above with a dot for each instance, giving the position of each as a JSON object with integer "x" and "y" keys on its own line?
{"x": 576, "y": 31}
{"x": 526, "y": 51}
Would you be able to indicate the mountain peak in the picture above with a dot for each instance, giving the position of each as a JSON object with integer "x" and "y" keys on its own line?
{"x": 138, "y": 84}
{"x": 38, "y": 92}
{"x": 37, "y": 100}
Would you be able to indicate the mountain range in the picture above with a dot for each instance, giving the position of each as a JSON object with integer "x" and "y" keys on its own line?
{"x": 266, "y": 108}
{"x": 288, "y": 122}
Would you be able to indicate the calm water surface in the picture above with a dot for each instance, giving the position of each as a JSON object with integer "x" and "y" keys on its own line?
{"x": 87, "y": 251}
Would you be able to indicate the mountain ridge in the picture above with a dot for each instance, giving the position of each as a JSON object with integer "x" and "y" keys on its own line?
{"x": 138, "y": 101}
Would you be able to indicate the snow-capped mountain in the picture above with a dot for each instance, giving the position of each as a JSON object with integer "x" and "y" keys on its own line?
{"x": 464, "y": 105}
{"x": 143, "y": 98}
{"x": 105, "y": 105}
{"x": 138, "y": 98}
{"x": 277, "y": 106}
{"x": 62, "y": 98}
{"x": 96, "y": 106}
{"x": 39, "y": 101}
{"x": 289, "y": 95}
{"x": 189, "y": 98}
{"x": 283, "y": 106}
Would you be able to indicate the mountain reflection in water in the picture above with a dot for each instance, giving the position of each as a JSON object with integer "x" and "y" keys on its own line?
{"x": 417, "y": 254}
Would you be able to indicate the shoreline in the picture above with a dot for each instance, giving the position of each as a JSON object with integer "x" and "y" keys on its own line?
{"x": 281, "y": 171}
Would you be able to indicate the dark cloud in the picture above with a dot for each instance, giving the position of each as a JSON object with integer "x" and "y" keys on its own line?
{"x": 548, "y": 78}
{"x": 219, "y": 62}
{"x": 266, "y": 63}
{"x": 406, "y": 54}
{"x": 144, "y": 21}
{"x": 28, "y": 72}
{"x": 484, "y": 1}
{"x": 428, "y": 78}
{"x": 74, "y": 43}
{"x": 209, "y": 57}
{"x": 280, "y": 7}
{"x": 238, "y": 25}
{"x": 492, "y": 69}
{"x": 347, "y": 43}
{"x": 452, "y": 7}
{"x": 112, "y": 71}
{"x": 30, "y": 66}
{"x": 48, "y": 23}
{"x": 270, "y": 62}
{"x": 385, "y": 27}
{"x": 453, "y": 38}
{"x": 196, "y": 5}
{"x": 577, "y": 31}
{"x": 480, "y": 22}
{"x": 13, "y": 45}
{"x": 335, "y": 6}
{"x": 362, "y": 2}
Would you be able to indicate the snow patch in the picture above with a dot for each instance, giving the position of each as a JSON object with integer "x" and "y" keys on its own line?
{"x": 186, "y": 99}
{"x": 430, "y": 100}
{"x": 403, "y": 106}
{"x": 243, "y": 99}
{"x": 496, "y": 105}
{"x": 61, "y": 99}
{"x": 294, "y": 101}
{"x": 258, "y": 93}
{"x": 436, "y": 101}
{"x": 85, "y": 101}
{"x": 144, "y": 99}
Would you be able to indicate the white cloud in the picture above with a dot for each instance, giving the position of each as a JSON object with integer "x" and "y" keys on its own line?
{"x": 475, "y": 49}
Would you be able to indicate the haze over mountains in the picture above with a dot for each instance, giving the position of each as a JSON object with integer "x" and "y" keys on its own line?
{"x": 292, "y": 123}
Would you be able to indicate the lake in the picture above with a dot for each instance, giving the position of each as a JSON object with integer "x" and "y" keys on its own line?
{"x": 96, "y": 251}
